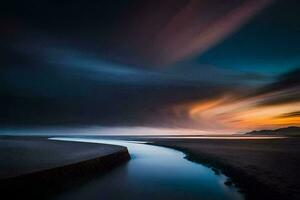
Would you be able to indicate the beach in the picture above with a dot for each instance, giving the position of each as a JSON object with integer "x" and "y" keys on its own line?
{"x": 39, "y": 167}
{"x": 263, "y": 169}
{"x": 260, "y": 168}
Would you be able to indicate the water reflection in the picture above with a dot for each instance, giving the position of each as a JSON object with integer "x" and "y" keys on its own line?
{"x": 154, "y": 173}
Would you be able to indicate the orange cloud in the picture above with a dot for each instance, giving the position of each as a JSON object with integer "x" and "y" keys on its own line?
{"x": 229, "y": 113}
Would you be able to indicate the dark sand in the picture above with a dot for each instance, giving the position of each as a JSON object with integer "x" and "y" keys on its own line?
{"x": 39, "y": 168}
{"x": 20, "y": 156}
{"x": 263, "y": 169}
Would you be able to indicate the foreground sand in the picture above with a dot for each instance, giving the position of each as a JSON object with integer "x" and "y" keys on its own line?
{"x": 32, "y": 164}
{"x": 264, "y": 169}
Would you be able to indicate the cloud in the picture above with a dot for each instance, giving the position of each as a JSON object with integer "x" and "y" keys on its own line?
{"x": 287, "y": 80}
{"x": 71, "y": 87}
{"x": 101, "y": 64}
{"x": 129, "y": 31}
{"x": 62, "y": 85}
{"x": 273, "y": 105}
{"x": 289, "y": 115}
{"x": 285, "y": 89}
{"x": 189, "y": 33}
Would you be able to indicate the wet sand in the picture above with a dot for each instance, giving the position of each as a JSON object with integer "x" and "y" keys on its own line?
{"x": 263, "y": 169}
{"x": 33, "y": 164}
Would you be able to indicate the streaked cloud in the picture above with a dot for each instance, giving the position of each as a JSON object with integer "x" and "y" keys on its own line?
{"x": 291, "y": 114}
{"x": 271, "y": 106}
{"x": 184, "y": 64}
{"x": 189, "y": 33}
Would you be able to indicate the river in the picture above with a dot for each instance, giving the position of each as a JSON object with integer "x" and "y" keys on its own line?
{"x": 153, "y": 172}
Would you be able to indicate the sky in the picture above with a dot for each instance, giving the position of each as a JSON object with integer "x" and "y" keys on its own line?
{"x": 213, "y": 66}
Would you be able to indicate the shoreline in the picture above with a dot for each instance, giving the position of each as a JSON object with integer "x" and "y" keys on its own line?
{"x": 252, "y": 186}
{"x": 248, "y": 186}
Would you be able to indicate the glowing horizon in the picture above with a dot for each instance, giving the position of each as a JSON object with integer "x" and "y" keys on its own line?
{"x": 239, "y": 115}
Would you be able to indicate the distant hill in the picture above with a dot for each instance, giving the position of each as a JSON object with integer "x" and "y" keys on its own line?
{"x": 288, "y": 131}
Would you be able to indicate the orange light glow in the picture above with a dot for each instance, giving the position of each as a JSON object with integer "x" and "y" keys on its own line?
{"x": 226, "y": 113}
